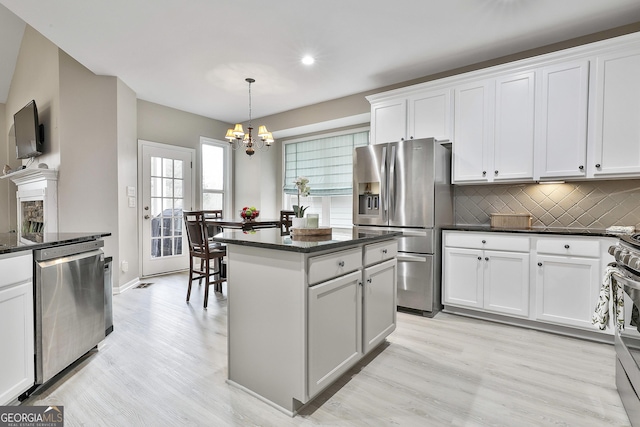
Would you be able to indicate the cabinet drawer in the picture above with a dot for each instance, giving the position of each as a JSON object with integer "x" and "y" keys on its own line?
{"x": 379, "y": 252}
{"x": 16, "y": 268}
{"x": 491, "y": 241}
{"x": 326, "y": 267}
{"x": 569, "y": 246}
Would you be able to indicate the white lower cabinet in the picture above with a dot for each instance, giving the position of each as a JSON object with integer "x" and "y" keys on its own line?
{"x": 568, "y": 277}
{"x": 349, "y": 314}
{"x": 561, "y": 273}
{"x": 490, "y": 280}
{"x": 17, "y": 333}
{"x": 567, "y": 289}
{"x": 379, "y": 303}
{"x": 335, "y": 327}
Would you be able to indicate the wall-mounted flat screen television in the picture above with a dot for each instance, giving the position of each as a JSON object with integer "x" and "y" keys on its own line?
{"x": 29, "y": 133}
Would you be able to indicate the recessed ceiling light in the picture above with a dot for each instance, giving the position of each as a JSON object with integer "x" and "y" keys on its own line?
{"x": 308, "y": 60}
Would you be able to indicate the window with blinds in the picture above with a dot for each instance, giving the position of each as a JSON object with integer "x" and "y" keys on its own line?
{"x": 327, "y": 162}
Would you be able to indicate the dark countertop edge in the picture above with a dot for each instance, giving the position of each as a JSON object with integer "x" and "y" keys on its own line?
{"x": 594, "y": 232}
{"x": 78, "y": 237}
{"x": 309, "y": 249}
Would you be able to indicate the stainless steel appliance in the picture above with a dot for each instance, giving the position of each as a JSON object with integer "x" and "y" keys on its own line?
{"x": 627, "y": 342}
{"x": 108, "y": 295}
{"x": 406, "y": 186}
{"x": 69, "y": 305}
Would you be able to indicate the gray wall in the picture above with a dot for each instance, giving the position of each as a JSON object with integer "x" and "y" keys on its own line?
{"x": 166, "y": 125}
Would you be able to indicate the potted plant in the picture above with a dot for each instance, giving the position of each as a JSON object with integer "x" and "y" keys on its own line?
{"x": 303, "y": 190}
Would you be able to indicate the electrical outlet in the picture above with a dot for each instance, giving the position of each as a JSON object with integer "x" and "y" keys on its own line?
{"x": 124, "y": 266}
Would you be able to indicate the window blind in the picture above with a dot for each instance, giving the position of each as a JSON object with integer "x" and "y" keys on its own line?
{"x": 326, "y": 162}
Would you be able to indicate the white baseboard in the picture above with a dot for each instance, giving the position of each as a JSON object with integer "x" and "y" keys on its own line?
{"x": 120, "y": 289}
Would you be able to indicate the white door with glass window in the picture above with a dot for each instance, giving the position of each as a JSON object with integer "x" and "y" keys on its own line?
{"x": 166, "y": 181}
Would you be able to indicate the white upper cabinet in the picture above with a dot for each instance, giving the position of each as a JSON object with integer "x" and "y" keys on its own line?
{"x": 561, "y": 120}
{"x": 616, "y": 125}
{"x": 388, "y": 121}
{"x": 571, "y": 114}
{"x": 494, "y": 129}
{"x": 430, "y": 115}
{"x": 513, "y": 144}
{"x": 473, "y": 130}
{"x": 419, "y": 114}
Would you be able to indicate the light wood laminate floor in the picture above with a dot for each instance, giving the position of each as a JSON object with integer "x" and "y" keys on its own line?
{"x": 166, "y": 365}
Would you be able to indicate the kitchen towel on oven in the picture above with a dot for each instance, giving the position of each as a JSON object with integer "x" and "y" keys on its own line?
{"x": 610, "y": 301}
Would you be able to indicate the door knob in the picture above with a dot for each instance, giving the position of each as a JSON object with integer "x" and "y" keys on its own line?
{"x": 147, "y": 217}
{"x": 146, "y": 208}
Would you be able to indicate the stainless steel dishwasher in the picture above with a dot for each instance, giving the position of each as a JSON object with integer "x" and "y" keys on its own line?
{"x": 69, "y": 305}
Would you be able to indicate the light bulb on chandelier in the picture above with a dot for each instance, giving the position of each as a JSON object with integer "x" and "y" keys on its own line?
{"x": 237, "y": 138}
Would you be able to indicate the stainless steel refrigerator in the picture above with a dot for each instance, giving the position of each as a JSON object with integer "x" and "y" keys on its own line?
{"x": 406, "y": 186}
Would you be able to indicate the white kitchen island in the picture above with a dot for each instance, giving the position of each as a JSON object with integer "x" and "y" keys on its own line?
{"x": 301, "y": 313}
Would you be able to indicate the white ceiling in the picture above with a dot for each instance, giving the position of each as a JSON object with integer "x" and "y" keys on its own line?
{"x": 194, "y": 55}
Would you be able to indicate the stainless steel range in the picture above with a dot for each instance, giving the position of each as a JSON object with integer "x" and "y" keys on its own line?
{"x": 627, "y": 342}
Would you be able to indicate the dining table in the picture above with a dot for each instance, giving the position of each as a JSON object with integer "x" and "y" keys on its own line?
{"x": 257, "y": 223}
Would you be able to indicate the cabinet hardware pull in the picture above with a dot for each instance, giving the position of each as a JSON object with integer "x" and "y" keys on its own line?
{"x": 360, "y": 283}
{"x": 411, "y": 137}
{"x": 486, "y": 258}
{"x": 496, "y": 172}
{"x": 581, "y": 167}
{"x": 341, "y": 264}
{"x": 598, "y": 165}
{"x": 484, "y": 173}
{"x": 479, "y": 258}
{"x": 484, "y": 241}
{"x": 384, "y": 251}
{"x": 566, "y": 246}
{"x": 539, "y": 264}
{"x": 369, "y": 280}
{"x": 401, "y": 139}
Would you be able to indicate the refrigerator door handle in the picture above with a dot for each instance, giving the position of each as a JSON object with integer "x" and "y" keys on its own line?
{"x": 392, "y": 190}
{"x": 383, "y": 178}
{"x": 411, "y": 258}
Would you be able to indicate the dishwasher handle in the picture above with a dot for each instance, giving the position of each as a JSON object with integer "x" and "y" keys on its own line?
{"x": 62, "y": 251}
{"x": 70, "y": 258}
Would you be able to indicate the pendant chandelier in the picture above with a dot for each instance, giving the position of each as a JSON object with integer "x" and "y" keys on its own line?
{"x": 237, "y": 138}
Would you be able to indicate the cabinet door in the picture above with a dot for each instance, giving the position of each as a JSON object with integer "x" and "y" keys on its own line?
{"x": 513, "y": 140}
{"x": 16, "y": 336}
{"x": 430, "y": 115}
{"x": 335, "y": 327}
{"x": 567, "y": 289}
{"x": 617, "y": 114}
{"x": 388, "y": 121}
{"x": 473, "y": 130}
{"x": 462, "y": 277}
{"x": 506, "y": 282}
{"x": 379, "y": 303}
{"x": 561, "y": 123}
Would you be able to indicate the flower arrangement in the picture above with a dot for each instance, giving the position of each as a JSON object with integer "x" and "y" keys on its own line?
{"x": 303, "y": 190}
{"x": 249, "y": 213}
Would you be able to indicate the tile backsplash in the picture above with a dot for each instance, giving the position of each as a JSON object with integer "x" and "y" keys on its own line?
{"x": 592, "y": 204}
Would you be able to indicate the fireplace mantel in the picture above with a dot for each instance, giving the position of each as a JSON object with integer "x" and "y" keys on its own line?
{"x": 37, "y": 198}
{"x": 27, "y": 176}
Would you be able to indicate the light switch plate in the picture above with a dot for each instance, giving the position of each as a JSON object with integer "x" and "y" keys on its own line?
{"x": 131, "y": 191}
{"x": 132, "y": 202}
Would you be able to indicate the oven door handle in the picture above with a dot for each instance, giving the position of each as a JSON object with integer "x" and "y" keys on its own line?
{"x": 625, "y": 280}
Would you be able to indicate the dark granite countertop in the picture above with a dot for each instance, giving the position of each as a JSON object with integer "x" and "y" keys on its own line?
{"x": 9, "y": 241}
{"x": 272, "y": 238}
{"x": 598, "y": 232}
